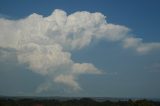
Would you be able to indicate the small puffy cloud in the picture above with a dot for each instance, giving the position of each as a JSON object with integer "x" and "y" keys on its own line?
{"x": 44, "y": 44}
{"x": 85, "y": 68}
{"x": 68, "y": 80}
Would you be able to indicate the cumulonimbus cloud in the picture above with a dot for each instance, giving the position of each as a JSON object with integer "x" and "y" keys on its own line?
{"x": 44, "y": 44}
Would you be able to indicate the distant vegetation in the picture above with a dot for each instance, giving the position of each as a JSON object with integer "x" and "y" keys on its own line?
{"x": 74, "y": 102}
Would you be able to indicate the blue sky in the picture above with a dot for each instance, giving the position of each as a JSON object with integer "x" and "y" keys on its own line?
{"x": 125, "y": 71}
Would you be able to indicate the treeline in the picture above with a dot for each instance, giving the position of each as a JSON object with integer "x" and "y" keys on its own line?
{"x": 74, "y": 102}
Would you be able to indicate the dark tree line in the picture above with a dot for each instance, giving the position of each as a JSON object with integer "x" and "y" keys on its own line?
{"x": 74, "y": 102}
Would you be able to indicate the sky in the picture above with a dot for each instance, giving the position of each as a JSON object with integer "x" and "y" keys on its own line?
{"x": 107, "y": 48}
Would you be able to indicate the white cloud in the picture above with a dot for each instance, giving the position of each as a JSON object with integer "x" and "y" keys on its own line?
{"x": 139, "y": 45}
{"x": 68, "y": 80}
{"x": 44, "y": 43}
{"x": 43, "y": 87}
{"x": 85, "y": 68}
{"x": 44, "y": 58}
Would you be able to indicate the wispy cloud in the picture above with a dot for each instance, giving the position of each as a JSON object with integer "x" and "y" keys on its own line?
{"x": 155, "y": 67}
{"x": 4, "y": 16}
